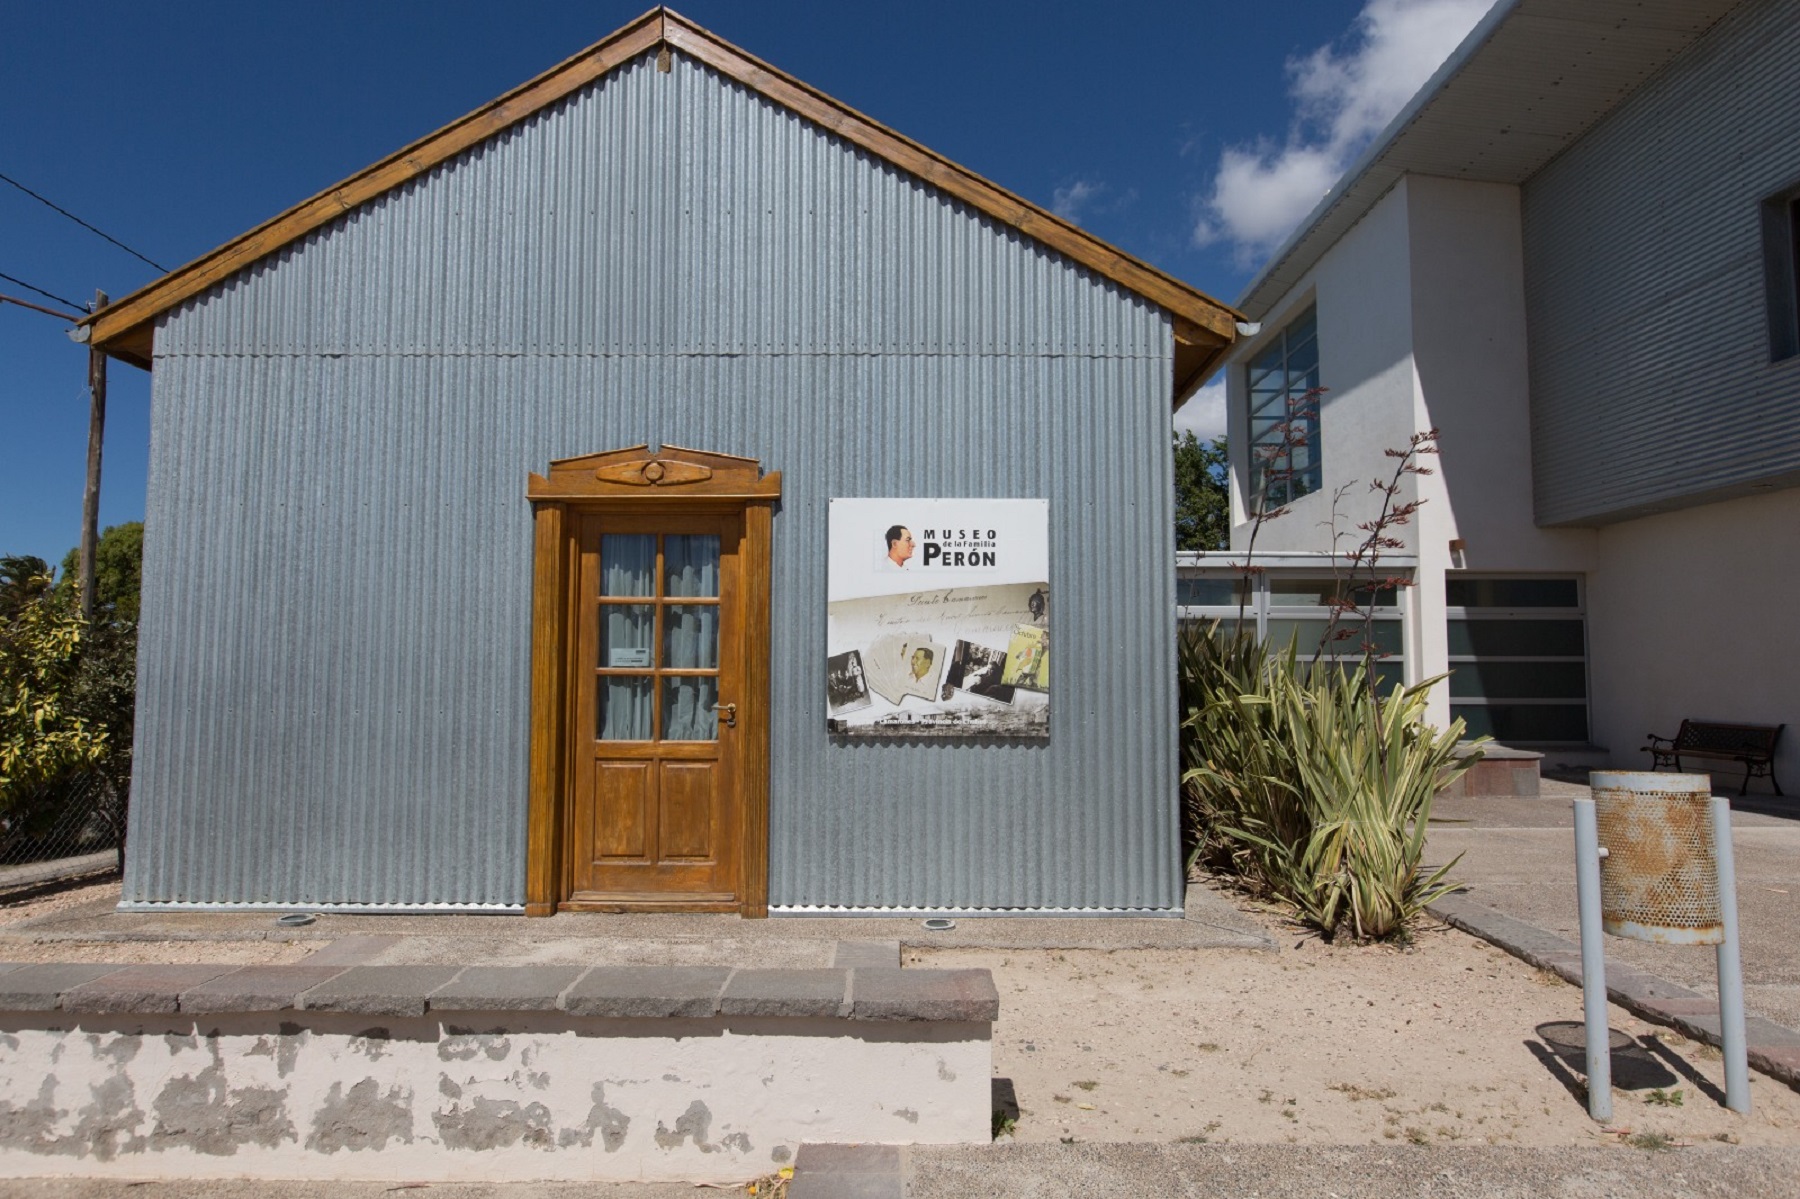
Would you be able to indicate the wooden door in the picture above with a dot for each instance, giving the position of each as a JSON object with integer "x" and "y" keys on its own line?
{"x": 657, "y": 804}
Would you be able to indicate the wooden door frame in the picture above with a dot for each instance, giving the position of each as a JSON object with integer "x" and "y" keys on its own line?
{"x": 636, "y": 481}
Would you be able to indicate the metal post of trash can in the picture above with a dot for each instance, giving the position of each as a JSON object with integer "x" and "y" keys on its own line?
{"x": 1593, "y": 961}
{"x": 1731, "y": 970}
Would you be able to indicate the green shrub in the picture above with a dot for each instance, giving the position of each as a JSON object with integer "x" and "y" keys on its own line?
{"x": 67, "y": 689}
{"x": 43, "y": 731}
{"x": 1309, "y": 787}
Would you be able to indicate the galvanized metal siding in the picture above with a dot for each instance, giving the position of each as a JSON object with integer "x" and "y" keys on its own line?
{"x": 337, "y": 592}
{"x": 1650, "y": 375}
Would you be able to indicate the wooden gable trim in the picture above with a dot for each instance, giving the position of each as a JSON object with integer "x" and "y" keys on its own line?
{"x": 126, "y": 328}
{"x": 1205, "y": 318}
{"x": 128, "y": 324}
{"x": 669, "y": 473}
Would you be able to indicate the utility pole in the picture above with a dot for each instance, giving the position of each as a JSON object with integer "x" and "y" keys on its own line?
{"x": 90, "y": 500}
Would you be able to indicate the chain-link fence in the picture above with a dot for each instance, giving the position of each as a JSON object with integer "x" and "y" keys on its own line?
{"x": 72, "y": 826}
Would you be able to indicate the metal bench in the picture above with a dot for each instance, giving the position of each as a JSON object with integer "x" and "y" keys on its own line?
{"x": 1751, "y": 744}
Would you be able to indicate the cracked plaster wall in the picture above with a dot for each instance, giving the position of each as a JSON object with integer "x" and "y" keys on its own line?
{"x": 486, "y": 1097}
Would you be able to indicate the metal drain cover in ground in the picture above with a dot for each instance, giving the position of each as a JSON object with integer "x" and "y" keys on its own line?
{"x": 1569, "y": 1038}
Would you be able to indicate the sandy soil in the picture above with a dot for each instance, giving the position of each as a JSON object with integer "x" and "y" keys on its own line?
{"x": 1448, "y": 1041}
{"x": 35, "y": 902}
{"x": 1321, "y": 1044}
{"x": 19, "y": 945}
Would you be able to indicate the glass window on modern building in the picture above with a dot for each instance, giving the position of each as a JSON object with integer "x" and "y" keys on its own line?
{"x": 1289, "y": 599}
{"x": 1282, "y": 382}
{"x": 1781, "y": 272}
{"x": 1518, "y": 658}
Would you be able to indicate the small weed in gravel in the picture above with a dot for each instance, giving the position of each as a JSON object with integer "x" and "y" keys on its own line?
{"x": 1650, "y": 1140}
{"x": 1204, "y": 1136}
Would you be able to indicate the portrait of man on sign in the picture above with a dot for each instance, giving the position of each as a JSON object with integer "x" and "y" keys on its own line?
{"x": 899, "y": 545}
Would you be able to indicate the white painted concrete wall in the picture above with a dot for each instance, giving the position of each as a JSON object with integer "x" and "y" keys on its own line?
{"x": 1469, "y": 352}
{"x": 1468, "y": 317}
{"x": 1365, "y": 362}
{"x": 1691, "y": 614}
{"x": 1422, "y": 324}
{"x": 544, "y": 1096}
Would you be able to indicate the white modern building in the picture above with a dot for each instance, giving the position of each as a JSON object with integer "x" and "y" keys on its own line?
{"x": 1573, "y": 255}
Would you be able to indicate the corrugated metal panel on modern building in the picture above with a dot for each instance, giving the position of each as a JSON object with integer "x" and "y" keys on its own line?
{"x": 337, "y": 534}
{"x": 1651, "y": 383}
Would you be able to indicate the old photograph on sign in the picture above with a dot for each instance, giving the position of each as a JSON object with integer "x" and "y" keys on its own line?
{"x": 1028, "y": 659}
{"x": 846, "y": 684}
{"x": 939, "y": 618}
{"x": 978, "y": 670}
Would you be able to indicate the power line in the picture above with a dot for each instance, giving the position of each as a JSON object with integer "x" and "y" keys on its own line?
{"x": 49, "y": 295}
{"x": 51, "y": 204}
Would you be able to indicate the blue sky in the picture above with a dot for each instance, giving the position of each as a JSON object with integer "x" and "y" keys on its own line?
{"x": 1193, "y": 135}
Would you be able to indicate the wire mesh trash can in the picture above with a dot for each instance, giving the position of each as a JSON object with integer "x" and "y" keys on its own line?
{"x": 1659, "y": 880}
{"x": 1653, "y": 862}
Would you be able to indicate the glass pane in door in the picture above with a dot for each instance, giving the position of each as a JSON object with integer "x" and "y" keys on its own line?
{"x": 691, "y": 637}
{"x": 626, "y": 632}
{"x": 624, "y": 705}
{"x": 627, "y": 564}
{"x": 691, "y": 564}
{"x": 688, "y": 713}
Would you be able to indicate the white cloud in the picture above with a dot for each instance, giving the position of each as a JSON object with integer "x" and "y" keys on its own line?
{"x": 1204, "y": 413}
{"x": 1342, "y": 98}
{"x": 1070, "y": 201}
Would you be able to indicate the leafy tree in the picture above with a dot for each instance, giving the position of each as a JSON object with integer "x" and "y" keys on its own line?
{"x": 44, "y": 734}
{"x": 118, "y": 570}
{"x": 23, "y": 579}
{"x": 1202, "y": 503}
{"x": 68, "y": 687}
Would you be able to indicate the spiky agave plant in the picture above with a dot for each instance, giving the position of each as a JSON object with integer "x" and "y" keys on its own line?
{"x": 1313, "y": 790}
{"x": 1230, "y": 778}
{"x": 1366, "y": 770}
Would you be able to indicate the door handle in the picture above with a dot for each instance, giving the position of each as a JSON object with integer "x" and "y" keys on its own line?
{"x": 730, "y": 711}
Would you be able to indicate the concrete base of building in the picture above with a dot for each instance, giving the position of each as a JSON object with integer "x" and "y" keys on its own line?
{"x": 431, "y": 1074}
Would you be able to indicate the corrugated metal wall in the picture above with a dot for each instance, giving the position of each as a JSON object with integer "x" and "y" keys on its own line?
{"x": 1650, "y": 375}
{"x": 334, "y": 675}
